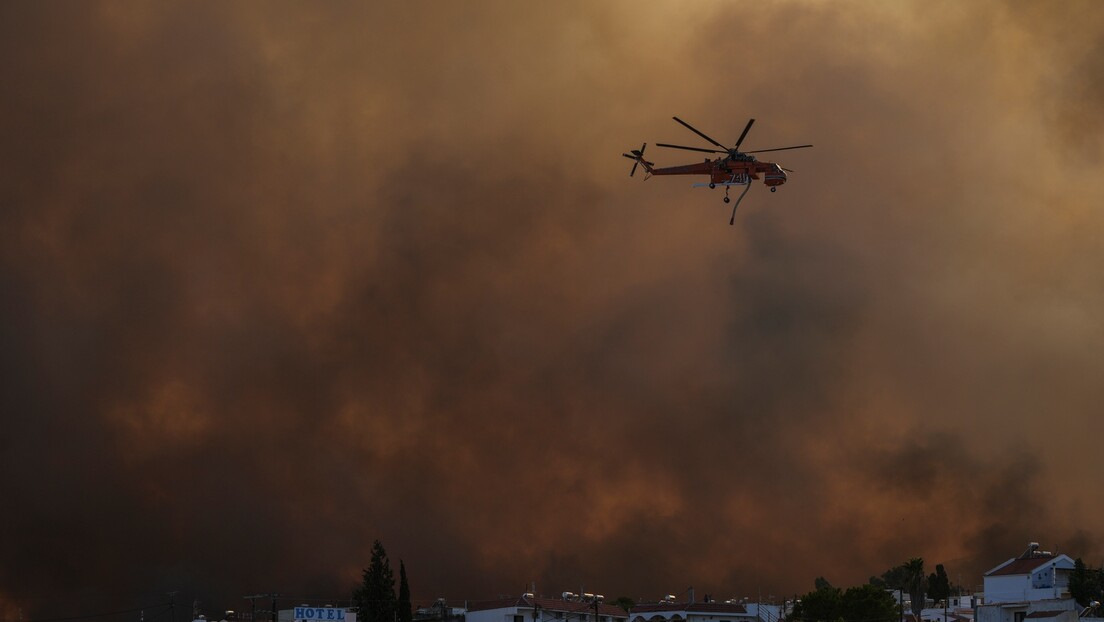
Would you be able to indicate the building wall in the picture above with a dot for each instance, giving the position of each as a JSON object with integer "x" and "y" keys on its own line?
{"x": 993, "y": 613}
{"x": 754, "y": 613}
{"x": 1006, "y": 589}
{"x": 492, "y": 615}
{"x": 765, "y": 612}
{"x": 1019, "y": 588}
{"x": 1016, "y": 612}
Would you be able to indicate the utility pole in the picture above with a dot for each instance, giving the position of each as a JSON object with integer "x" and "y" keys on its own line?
{"x": 274, "y": 606}
{"x": 172, "y": 606}
{"x": 253, "y": 605}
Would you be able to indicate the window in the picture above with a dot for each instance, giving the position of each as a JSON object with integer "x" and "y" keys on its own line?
{"x": 519, "y": 618}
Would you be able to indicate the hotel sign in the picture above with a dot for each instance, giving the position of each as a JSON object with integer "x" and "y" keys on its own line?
{"x": 324, "y": 614}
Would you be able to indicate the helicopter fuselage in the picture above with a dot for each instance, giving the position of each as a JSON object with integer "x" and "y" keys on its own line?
{"x": 730, "y": 170}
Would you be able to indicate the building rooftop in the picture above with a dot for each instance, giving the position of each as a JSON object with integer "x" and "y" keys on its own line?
{"x": 549, "y": 604}
{"x": 713, "y": 607}
{"x": 1021, "y": 565}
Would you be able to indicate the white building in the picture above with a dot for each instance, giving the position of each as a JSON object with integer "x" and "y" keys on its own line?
{"x": 1060, "y": 610}
{"x": 705, "y": 612}
{"x": 955, "y": 609}
{"x": 530, "y": 608}
{"x": 1033, "y": 587}
{"x": 1035, "y": 575}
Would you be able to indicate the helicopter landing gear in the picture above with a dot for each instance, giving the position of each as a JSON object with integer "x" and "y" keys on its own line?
{"x": 712, "y": 185}
{"x": 774, "y": 189}
{"x": 726, "y": 199}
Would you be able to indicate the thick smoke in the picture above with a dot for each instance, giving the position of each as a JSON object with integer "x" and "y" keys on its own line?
{"x": 277, "y": 281}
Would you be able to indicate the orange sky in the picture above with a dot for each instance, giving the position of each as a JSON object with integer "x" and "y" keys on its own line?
{"x": 280, "y": 279}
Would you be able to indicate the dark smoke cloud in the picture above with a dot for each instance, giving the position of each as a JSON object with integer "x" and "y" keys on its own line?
{"x": 277, "y": 281}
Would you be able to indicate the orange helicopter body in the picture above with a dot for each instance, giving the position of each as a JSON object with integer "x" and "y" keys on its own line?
{"x": 736, "y": 168}
{"x": 722, "y": 171}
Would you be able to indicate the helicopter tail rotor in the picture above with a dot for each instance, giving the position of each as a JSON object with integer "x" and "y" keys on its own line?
{"x": 638, "y": 158}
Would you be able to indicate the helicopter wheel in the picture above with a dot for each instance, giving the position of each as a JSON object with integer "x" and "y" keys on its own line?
{"x": 726, "y": 199}
{"x": 774, "y": 189}
{"x": 712, "y": 185}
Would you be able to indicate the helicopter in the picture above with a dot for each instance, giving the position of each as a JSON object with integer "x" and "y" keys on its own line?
{"x": 736, "y": 168}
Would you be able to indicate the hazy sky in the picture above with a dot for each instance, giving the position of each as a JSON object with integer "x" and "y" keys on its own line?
{"x": 279, "y": 279}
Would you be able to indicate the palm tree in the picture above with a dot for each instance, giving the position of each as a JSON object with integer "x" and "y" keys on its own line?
{"x": 915, "y": 583}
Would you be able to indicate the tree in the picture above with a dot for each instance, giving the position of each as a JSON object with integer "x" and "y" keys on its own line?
{"x": 868, "y": 603}
{"x": 821, "y": 583}
{"x": 1085, "y": 584}
{"x": 909, "y": 578}
{"x": 406, "y": 613}
{"x": 939, "y": 585}
{"x": 917, "y": 584}
{"x": 865, "y": 603}
{"x": 375, "y": 598}
{"x": 624, "y": 602}
{"x": 820, "y": 605}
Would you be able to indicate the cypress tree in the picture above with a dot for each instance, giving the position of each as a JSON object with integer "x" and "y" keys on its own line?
{"x": 939, "y": 584}
{"x": 375, "y": 598}
{"x": 406, "y": 613}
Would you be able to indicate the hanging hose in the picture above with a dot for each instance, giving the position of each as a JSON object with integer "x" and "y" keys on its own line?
{"x": 740, "y": 198}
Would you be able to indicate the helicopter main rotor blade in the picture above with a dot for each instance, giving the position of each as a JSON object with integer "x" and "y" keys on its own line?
{"x": 691, "y": 128}
{"x": 741, "y": 138}
{"x": 689, "y": 148}
{"x": 779, "y": 149}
